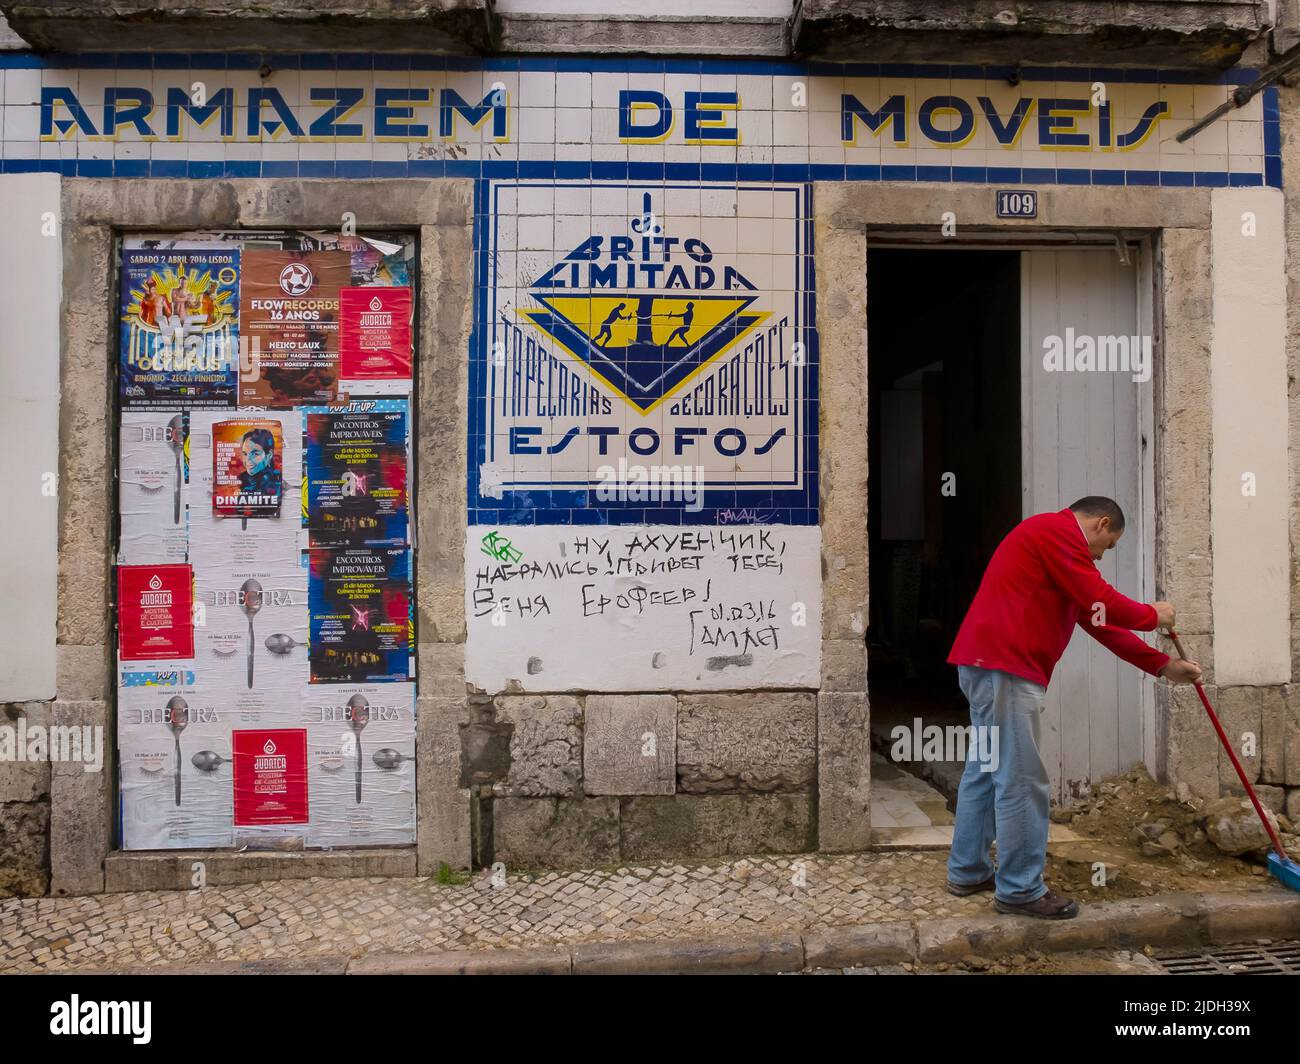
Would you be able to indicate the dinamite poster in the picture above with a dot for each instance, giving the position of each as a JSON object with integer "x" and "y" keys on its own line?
{"x": 179, "y": 327}
{"x": 248, "y": 467}
{"x": 229, "y": 736}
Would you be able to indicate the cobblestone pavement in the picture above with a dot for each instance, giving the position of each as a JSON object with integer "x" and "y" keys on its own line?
{"x": 301, "y": 919}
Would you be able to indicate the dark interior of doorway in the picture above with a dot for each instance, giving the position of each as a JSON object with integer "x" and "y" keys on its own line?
{"x": 945, "y": 478}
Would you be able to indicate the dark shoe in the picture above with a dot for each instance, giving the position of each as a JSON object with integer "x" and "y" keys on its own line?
{"x": 1051, "y": 906}
{"x": 964, "y": 890}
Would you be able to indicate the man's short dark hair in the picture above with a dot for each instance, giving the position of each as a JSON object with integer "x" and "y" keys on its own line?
{"x": 1100, "y": 506}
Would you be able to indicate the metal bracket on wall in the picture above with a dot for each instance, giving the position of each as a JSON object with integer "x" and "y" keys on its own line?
{"x": 1243, "y": 94}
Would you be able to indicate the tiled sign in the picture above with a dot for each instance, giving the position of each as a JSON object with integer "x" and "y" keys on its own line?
{"x": 361, "y": 116}
{"x": 644, "y": 350}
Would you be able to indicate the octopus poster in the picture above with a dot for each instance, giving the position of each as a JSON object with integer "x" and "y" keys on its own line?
{"x": 179, "y": 327}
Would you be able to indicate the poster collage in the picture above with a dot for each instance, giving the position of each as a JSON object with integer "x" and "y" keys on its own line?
{"x": 266, "y": 652}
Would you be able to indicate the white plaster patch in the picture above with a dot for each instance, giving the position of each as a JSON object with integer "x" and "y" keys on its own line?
{"x": 646, "y": 608}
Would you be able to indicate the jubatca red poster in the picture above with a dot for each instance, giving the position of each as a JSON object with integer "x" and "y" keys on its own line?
{"x": 375, "y": 333}
{"x": 155, "y": 612}
{"x": 289, "y": 310}
{"x": 270, "y": 776}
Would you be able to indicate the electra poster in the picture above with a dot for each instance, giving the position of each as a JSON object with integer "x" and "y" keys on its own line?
{"x": 356, "y": 472}
{"x": 179, "y": 328}
{"x": 360, "y": 624}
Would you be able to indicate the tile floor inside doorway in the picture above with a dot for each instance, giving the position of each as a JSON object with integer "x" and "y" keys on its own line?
{"x": 907, "y": 813}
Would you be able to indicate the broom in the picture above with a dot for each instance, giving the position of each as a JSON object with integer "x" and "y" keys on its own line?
{"x": 1280, "y": 866}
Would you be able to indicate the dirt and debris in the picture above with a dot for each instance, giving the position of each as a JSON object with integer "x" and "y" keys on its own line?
{"x": 1140, "y": 837}
{"x": 1234, "y": 826}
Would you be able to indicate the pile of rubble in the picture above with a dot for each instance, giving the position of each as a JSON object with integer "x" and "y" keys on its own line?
{"x": 1160, "y": 838}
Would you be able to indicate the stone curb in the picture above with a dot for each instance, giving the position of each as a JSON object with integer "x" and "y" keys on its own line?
{"x": 1162, "y": 921}
{"x": 752, "y": 954}
{"x": 549, "y": 960}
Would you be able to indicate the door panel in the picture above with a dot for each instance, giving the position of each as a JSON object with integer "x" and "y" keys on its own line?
{"x": 1081, "y": 435}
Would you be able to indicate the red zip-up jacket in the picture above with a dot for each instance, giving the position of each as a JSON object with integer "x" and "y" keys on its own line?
{"x": 1039, "y": 584}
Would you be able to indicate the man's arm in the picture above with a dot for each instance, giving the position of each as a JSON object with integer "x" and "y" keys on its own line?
{"x": 1124, "y": 644}
{"x": 1064, "y": 554}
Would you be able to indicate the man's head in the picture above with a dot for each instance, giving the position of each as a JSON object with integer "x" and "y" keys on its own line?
{"x": 1102, "y": 522}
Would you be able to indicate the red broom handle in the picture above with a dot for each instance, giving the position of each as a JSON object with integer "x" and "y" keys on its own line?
{"x": 1232, "y": 754}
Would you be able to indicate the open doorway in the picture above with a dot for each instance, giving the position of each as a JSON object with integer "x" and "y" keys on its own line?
{"x": 945, "y": 440}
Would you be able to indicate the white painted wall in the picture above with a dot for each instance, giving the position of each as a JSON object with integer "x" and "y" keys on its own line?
{"x": 609, "y": 625}
{"x": 30, "y": 285}
{"x": 1248, "y": 377}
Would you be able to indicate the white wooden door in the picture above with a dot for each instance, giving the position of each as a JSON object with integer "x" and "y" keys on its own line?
{"x": 1082, "y": 434}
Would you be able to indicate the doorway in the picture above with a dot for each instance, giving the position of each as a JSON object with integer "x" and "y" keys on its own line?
{"x": 969, "y": 431}
{"x": 945, "y": 486}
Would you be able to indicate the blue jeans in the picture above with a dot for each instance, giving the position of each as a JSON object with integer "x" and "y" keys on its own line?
{"x": 1009, "y": 803}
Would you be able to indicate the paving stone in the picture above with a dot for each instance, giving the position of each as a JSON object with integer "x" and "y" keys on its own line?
{"x": 648, "y": 901}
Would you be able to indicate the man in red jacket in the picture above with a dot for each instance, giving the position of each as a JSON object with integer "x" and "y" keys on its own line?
{"x": 1041, "y": 582}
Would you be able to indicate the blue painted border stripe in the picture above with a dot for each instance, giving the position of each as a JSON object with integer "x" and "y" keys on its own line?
{"x": 721, "y": 173}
